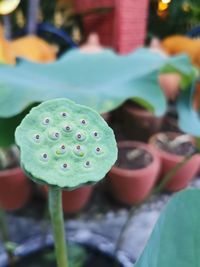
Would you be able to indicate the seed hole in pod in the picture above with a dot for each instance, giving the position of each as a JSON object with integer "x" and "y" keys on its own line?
{"x": 67, "y": 128}
{"x": 55, "y": 135}
{"x": 64, "y": 166}
{"x": 87, "y": 164}
{"x": 96, "y": 134}
{"x": 46, "y": 121}
{"x": 79, "y": 151}
{"x": 61, "y": 150}
{"x": 98, "y": 150}
{"x": 37, "y": 138}
{"x": 64, "y": 114}
{"x": 83, "y": 121}
{"x": 80, "y": 136}
{"x": 44, "y": 156}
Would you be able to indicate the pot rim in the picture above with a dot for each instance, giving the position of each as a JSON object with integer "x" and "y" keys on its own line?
{"x": 167, "y": 155}
{"x": 12, "y": 171}
{"x": 146, "y": 147}
{"x": 139, "y": 111}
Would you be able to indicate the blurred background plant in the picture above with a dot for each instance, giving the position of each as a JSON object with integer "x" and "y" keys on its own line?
{"x": 167, "y": 17}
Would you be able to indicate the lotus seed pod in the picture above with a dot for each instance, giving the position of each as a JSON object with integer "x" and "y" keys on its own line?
{"x": 65, "y": 144}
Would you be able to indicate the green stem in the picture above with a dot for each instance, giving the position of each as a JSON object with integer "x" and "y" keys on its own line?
{"x": 5, "y": 237}
{"x": 56, "y": 213}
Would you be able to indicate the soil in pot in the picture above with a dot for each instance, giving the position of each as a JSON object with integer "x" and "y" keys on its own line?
{"x": 78, "y": 257}
{"x": 173, "y": 148}
{"x": 133, "y": 158}
{"x": 180, "y": 145}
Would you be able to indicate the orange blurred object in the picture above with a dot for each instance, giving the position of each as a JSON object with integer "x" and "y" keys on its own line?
{"x": 29, "y": 47}
{"x": 178, "y": 44}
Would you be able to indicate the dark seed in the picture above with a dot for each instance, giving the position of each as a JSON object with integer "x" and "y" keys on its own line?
{"x": 37, "y": 136}
{"x": 63, "y": 147}
{"x": 65, "y": 165}
{"x": 57, "y": 135}
{"x": 45, "y": 156}
{"x": 98, "y": 149}
{"x": 79, "y": 136}
{"x": 95, "y": 134}
{"x": 78, "y": 147}
{"x": 64, "y": 114}
{"x": 87, "y": 163}
{"x": 83, "y": 122}
{"x": 67, "y": 128}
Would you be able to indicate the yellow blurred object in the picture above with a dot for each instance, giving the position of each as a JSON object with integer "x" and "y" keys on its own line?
{"x": 186, "y": 6}
{"x": 178, "y": 44}
{"x": 29, "y": 47}
{"x": 166, "y": 1}
{"x": 162, "y": 6}
{"x": 33, "y": 48}
{"x": 8, "y": 6}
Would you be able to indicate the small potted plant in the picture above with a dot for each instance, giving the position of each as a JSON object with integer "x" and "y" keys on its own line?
{"x": 173, "y": 148}
{"x": 135, "y": 172}
{"x": 64, "y": 145}
{"x": 15, "y": 188}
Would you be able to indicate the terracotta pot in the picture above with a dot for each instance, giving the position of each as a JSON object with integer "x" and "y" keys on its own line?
{"x": 133, "y": 186}
{"x": 168, "y": 161}
{"x": 139, "y": 123}
{"x": 75, "y": 200}
{"x": 15, "y": 189}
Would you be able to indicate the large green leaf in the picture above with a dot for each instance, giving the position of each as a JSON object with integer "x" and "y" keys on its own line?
{"x": 189, "y": 119}
{"x": 101, "y": 81}
{"x": 175, "y": 240}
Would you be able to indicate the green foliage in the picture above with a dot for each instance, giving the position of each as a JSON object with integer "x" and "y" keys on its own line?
{"x": 65, "y": 144}
{"x": 180, "y": 18}
{"x": 189, "y": 119}
{"x": 175, "y": 240}
{"x": 101, "y": 81}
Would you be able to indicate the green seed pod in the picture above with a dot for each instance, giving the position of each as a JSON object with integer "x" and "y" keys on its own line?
{"x": 65, "y": 144}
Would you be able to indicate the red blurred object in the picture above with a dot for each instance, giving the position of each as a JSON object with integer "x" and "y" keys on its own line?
{"x": 75, "y": 200}
{"x": 15, "y": 189}
{"x": 123, "y": 27}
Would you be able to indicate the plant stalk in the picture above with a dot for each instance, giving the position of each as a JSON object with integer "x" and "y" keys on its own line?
{"x": 6, "y": 237}
{"x": 56, "y": 213}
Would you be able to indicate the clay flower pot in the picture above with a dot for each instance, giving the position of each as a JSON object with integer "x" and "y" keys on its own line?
{"x": 75, "y": 200}
{"x": 139, "y": 123}
{"x": 131, "y": 186}
{"x": 15, "y": 189}
{"x": 169, "y": 160}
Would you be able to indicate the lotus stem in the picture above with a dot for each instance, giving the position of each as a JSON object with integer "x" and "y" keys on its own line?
{"x": 57, "y": 219}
